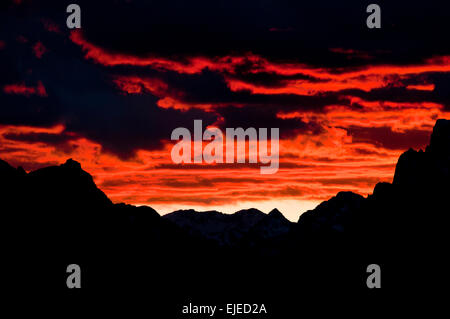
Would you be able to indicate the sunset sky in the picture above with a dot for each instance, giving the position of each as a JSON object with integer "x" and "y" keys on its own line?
{"x": 347, "y": 100}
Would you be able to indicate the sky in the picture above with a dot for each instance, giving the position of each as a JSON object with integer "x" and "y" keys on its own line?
{"x": 347, "y": 100}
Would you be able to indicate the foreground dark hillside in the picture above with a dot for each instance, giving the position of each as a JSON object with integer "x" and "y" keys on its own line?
{"x": 56, "y": 216}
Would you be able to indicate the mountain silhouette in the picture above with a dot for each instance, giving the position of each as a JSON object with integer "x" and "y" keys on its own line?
{"x": 56, "y": 216}
{"x": 230, "y": 229}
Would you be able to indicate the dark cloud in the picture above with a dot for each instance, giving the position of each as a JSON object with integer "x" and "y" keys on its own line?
{"x": 81, "y": 95}
{"x": 387, "y": 138}
{"x": 272, "y": 80}
{"x": 265, "y": 117}
{"x": 411, "y": 30}
{"x": 47, "y": 138}
{"x": 210, "y": 87}
{"x": 61, "y": 141}
{"x": 439, "y": 95}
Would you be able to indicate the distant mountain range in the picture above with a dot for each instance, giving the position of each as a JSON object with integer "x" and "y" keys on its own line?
{"x": 231, "y": 229}
{"x": 57, "y": 215}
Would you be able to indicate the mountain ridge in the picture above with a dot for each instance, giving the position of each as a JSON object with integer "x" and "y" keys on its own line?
{"x": 414, "y": 168}
{"x": 57, "y": 216}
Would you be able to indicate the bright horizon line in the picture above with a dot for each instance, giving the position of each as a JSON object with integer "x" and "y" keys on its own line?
{"x": 290, "y": 208}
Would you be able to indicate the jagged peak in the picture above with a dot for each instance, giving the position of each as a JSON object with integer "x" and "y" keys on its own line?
{"x": 250, "y": 211}
{"x": 191, "y": 212}
{"x": 415, "y": 167}
{"x": 348, "y": 195}
{"x": 440, "y": 138}
{"x": 71, "y": 164}
{"x": 275, "y": 213}
{"x": 21, "y": 170}
{"x": 382, "y": 189}
{"x": 6, "y": 168}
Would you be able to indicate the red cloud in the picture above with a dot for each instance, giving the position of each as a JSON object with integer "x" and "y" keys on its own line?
{"x": 136, "y": 85}
{"x": 51, "y": 26}
{"x": 22, "y": 89}
{"x": 322, "y": 80}
{"x": 39, "y": 49}
{"x": 422, "y": 87}
{"x": 189, "y": 65}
